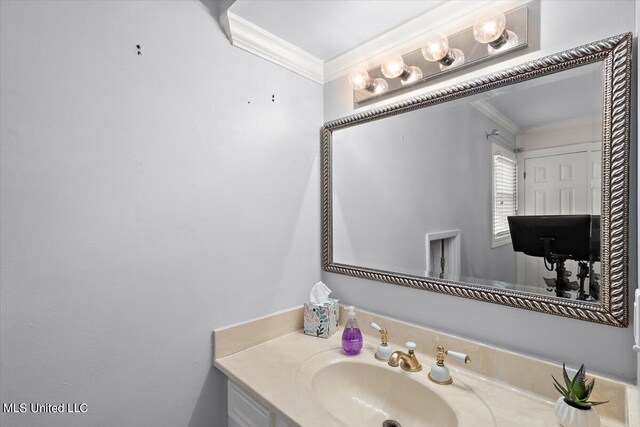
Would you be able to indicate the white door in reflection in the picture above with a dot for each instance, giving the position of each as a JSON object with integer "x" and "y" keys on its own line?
{"x": 555, "y": 185}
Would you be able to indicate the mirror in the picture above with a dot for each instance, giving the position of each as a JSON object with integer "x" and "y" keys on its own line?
{"x": 430, "y": 192}
{"x": 498, "y": 192}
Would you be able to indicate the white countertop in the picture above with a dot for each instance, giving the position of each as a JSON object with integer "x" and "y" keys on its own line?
{"x": 279, "y": 373}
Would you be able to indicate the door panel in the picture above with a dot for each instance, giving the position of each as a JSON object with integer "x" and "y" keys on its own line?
{"x": 559, "y": 187}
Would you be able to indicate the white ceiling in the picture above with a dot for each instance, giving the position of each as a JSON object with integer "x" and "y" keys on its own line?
{"x": 327, "y": 28}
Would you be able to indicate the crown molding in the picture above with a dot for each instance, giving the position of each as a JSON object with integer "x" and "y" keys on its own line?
{"x": 496, "y": 116}
{"x": 564, "y": 124}
{"x": 514, "y": 129}
{"x": 248, "y": 36}
{"x": 448, "y": 17}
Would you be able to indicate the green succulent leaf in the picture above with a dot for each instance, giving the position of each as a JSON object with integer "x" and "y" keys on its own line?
{"x": 563, "y": 391}
{"x": 572, "y": 396}
{"x": 579, "y": 387}
{"x": 582, "y": 405}
{"x": 567, "y": 381}
{"x": 560, "y": 390}
{"x": 597, "y": 403}
{"x": 590, "y": 388}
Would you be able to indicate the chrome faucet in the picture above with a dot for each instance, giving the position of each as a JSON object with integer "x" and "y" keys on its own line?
{"x": 407, "y": 361}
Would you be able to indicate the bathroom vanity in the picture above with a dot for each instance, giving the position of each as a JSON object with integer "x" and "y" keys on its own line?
{"x": 247, "y": 409}
{"x": 278, "y": 376}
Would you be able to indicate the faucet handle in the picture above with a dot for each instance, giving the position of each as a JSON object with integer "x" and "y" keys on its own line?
{"x": 439, "y": 373}
{"x": 458, "y": 356}
{"x": 441, "y": 351}
{"x": 384, "y": 350}
{"x": 383, "y": 332}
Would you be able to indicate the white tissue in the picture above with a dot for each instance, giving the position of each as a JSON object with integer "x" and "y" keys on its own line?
{"x": 319, "y": 293}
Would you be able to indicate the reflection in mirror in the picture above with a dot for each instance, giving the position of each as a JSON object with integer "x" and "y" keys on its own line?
{"x": 501, "y": 188}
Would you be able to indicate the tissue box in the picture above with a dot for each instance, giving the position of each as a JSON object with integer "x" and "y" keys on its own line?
{"x": 321, "y": 320}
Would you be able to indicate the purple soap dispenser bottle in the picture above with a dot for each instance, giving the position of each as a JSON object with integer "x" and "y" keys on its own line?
{"x": 351, "y": 337}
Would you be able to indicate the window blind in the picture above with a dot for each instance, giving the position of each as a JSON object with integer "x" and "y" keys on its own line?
{"x": 505, "y": 197}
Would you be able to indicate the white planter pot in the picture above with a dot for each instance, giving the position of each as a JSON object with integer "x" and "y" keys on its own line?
{"x": 568, "y": 416}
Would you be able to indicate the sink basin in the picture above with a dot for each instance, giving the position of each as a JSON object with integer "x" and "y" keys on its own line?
{"x": 360, "y": 394}
{"x": 360, "y": 391}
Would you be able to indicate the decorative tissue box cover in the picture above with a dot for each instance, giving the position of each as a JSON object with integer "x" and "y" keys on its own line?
{"x": 321, "y": 320}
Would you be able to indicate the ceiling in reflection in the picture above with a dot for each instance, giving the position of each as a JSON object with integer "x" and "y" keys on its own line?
{"x": 521, "y": 103}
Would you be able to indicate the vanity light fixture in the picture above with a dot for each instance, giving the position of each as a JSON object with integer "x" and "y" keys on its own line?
{"x": 394, "y": 66}
{"x": 360, "y": 80}
{"x": 436, "y": 48}
{"x": 436, "y": 56}
{"x": 490, "y": 28}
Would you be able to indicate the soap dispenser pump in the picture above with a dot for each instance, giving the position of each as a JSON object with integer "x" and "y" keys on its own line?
{"x": 351, "y": 337}
{"x": 384, "y": 349}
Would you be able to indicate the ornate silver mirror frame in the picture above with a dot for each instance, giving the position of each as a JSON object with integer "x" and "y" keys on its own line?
{"x": 615, "y": 52}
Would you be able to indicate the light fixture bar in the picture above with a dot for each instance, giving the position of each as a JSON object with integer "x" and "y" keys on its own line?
{"x": 474, "y": 53}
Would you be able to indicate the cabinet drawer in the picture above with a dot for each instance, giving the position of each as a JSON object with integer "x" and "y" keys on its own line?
{"x": 244, "y": 411}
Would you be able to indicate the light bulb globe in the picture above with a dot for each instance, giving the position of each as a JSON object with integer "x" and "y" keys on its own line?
{"x": 380, "y": 85}
{"x": 489, "y": 26}
{"x": 392, "y": 66}
{"x": 458, "y": 60}
{"x": 511, "y": 42}
{"x": 415, "y": 74}
{"x": 359, "y": 78}
{"x": 436, "y": 47}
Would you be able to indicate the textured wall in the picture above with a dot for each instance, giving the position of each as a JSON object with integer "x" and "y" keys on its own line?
{"x": 146, "y": 200}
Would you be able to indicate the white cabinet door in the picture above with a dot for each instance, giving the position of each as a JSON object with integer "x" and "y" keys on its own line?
{"x": 282, "y": 422}
{"x": 245, "y": 411}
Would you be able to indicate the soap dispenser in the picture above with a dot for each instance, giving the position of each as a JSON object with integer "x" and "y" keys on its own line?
{"x": 384, "y": 350}
{"x": 351, "y": 337}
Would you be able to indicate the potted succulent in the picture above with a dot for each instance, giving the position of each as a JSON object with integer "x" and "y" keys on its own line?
{"x": 573, "y": 408}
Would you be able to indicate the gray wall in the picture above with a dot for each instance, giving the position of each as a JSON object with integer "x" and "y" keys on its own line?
{"x": 146, "y": 200}
{"x": 604, "y": 349}
{"x": 407, "y": 175}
